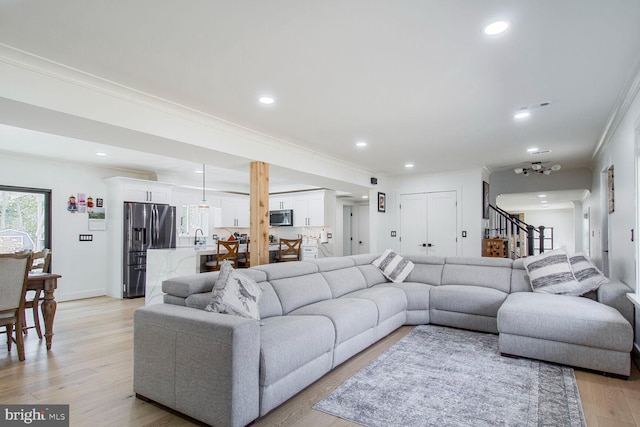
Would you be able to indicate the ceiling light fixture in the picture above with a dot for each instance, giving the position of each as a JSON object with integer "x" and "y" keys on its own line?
{"x": 496, "y": 28}
{"x": 538, "y": 168}
{"x": 365, "y": 197}
{"x": 101, "y": 154}
{"x": 266, "y": 100}
{"x": 408, "y": 165}
{"x": 361, "y": 144}
{"x": 521, "y": 115}
{"x": 532, "y": 149}
{"x": 203, "y": 204}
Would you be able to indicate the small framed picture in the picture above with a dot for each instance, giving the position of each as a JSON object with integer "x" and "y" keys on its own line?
{"x": 382, "y": 202}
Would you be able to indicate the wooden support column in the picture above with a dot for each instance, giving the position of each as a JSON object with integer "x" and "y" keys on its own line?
{"x": 259, "y": 213}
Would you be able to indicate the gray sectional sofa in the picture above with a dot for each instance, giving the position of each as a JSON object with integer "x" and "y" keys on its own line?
{"x": 227, "y": 371}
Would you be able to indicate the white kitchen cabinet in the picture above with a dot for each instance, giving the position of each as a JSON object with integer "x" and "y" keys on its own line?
{"x": 313, "y": 209}
{"x": 280, "y": 202}
{"x": 235, "y": 211}
{"x": 146, "y": 191}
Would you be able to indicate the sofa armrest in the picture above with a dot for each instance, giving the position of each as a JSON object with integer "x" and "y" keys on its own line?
{"x": 614, "y": 294}
{"x": 203, "y": 364}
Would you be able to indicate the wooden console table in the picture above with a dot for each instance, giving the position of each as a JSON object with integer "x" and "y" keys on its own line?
{"x": 497, "y": 248}
{"x": 47, "y": 283}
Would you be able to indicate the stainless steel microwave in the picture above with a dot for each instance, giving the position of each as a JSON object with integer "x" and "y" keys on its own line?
{"x": 281, "y": 218}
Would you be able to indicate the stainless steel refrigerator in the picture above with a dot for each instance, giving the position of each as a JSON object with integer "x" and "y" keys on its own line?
{"x": 146, "y": 226}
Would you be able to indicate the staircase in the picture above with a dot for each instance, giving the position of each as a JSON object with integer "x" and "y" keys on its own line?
{"x": 521, "y": 239}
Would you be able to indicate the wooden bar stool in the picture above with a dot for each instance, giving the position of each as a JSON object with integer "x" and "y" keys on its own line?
{"x": 227, "y": 250}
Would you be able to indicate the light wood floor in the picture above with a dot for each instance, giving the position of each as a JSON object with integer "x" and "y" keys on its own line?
{"x": 90, "y": 368}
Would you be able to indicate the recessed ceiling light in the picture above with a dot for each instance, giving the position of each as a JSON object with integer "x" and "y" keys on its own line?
{"x": 198, "y": 171}
{"x": 361, "y": 144}
{"x": 543, "y": 201}
{"x": 408, "y": 165}
{"x": 266, "y": 100}
{"x": 496, "y": 28}
{"x": 101, "y": 154}
{"x": 365, "y": 197}
{"x": 542, "y": 196}
{"x": 521, "y": 115}
{"x": 532, "y": 149}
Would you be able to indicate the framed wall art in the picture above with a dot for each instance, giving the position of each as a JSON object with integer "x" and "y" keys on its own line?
{"x": 382, "y": 202}
{"x": 611, "y": 189}
{"x": 485, "y": 200}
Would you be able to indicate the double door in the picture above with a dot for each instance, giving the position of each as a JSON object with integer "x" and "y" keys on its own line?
{"x": 428, "y": 223}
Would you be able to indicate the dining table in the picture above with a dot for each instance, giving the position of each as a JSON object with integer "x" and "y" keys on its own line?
{"x": 47, "y": 283}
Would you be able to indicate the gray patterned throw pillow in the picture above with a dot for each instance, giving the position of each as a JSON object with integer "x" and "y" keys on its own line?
{"x": 236, "y": 294}
{"x": 551, "y": 273}
{"x": 393, "y": 266}
{"x": 586, "y": 273}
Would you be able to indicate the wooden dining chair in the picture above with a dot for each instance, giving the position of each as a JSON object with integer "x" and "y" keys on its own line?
{"x": 41, "y": 263}
{"x": 227, "y": 250}
{"x": 14, "y": 269}
{"x": 243, "y": 258}
{"x": 289, "y": 250}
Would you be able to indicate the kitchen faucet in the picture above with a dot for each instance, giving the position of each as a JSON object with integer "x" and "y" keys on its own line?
{"x": 195, "y": 237}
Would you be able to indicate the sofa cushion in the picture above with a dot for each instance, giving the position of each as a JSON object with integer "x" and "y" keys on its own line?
{"x": 344, "y": 280}
{"x": 417, "y": 293}
{"x": 466, "y": 299}
{"x": 389, "y": 301}
{"x": 485, "y": 272}
{"x": 426, "y": 269}
{"x": 298, "y": 291}
{"x": 519, "y": 278}
{"x": 372, "y": 275}
{"x": 550, "y": 272}
{"x": 586, "y": 273}
{"x": 235, "y": 293}
{"x": 285, "y": 347}
{"x": 568, "y": 319}
{"x": 393, "y": 266}
{"x": 350, "y": 316}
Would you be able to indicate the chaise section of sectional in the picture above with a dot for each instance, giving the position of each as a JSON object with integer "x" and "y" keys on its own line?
{"x": 564, "y": 329}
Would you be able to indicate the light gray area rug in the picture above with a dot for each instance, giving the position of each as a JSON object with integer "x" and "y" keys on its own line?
{"x": 438, "y": 376}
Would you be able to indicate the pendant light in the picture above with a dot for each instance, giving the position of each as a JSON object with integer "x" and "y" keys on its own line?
{"x": 203, "y": 204}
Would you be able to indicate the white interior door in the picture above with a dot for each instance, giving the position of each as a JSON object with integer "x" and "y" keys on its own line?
{"x": 347, "y": 236}
{"x": 442, "y": 220}
{"x": 413, "y": 223}
{"x": 428, "y": 223}
{"x": 363, "y": 229}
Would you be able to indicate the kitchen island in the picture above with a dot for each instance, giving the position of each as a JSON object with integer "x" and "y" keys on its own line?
{"x": 163, "y": 264}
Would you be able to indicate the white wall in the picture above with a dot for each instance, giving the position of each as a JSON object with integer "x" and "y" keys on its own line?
{"x": 563, "y": 223}
{"x": 466, "y": 183}
{"x": 620, "y": 151}
{"x": 81, "y": 264}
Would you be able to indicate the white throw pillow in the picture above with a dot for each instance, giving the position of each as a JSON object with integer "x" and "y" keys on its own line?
{"x": 236, "y": 294}
{"x": 551, "y": 273}
{"x": 393, "y": 266}
{"x": 586, "y": 273}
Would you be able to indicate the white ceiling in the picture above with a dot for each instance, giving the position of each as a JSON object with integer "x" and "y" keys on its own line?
{"x": 416, "y": 79}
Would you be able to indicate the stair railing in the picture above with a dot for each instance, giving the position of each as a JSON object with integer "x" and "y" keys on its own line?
{"x": 508, "y": 226}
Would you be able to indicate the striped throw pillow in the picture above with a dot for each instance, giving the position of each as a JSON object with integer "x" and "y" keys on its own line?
{"x": 551, "y": 273}
{"x": 586, "y": 273}
{"x": 393, "y": 266}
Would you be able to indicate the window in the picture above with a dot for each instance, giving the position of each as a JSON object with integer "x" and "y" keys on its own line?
{"x": 25, "y": 218}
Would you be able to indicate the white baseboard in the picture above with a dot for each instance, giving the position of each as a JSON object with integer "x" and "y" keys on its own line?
{"x": 68, "y": 296}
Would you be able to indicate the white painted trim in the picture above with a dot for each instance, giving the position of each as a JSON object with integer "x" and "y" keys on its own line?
{"x": 634, "y": 298}
{"x": 624, "y": 101}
